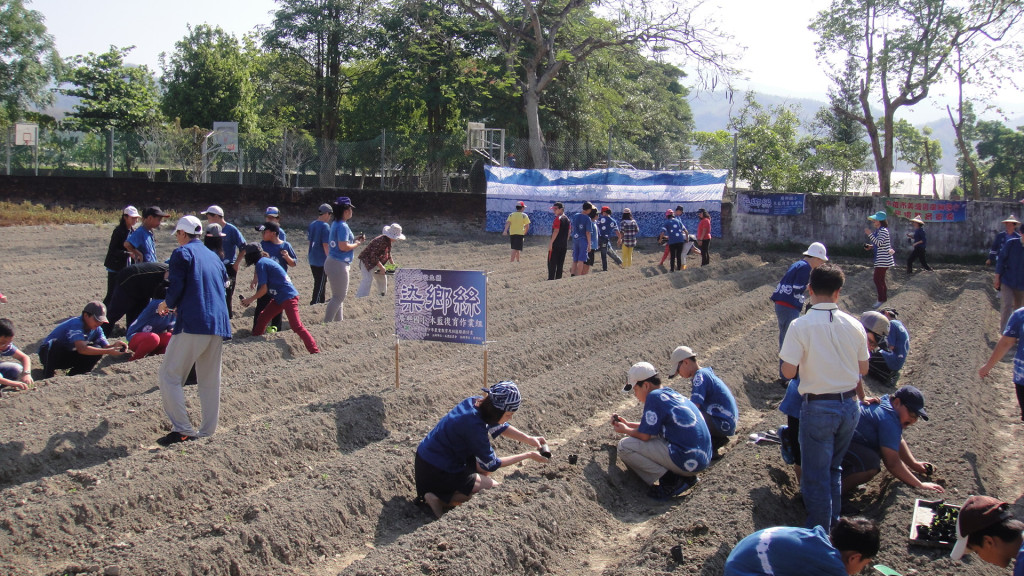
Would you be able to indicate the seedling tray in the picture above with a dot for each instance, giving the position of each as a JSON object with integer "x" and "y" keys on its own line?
{"x": 924, "y": 513}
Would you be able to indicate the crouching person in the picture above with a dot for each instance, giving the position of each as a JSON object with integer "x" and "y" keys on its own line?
{"x": 456, "y": 459}
{"x": 788, "y": 551}
{"x": 670, "y": 444}
{"x": 986, "y": 527}
{"x": 709, "y": 394}
{"x": 77, "y": 343}
{"x": 272, "y": 280}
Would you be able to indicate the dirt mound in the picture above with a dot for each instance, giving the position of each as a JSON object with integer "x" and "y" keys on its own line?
{"x": 311, "y": 470}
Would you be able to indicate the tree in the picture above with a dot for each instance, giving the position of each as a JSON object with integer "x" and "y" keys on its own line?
{"x": 540, "y": 40}
{"x": 112, "y": 96}
{"x": 766, "y": 156}
{"x": 323, "y": 35}
{"x": 842, "y": 146}
{"x": 899, "y": 50}
{"x": 28, "y": 61}
{"x": 715, "y": 148}
{"x": 207, "y": 79}
{"x": 1003, "y": 149}
{"x": 915, "y": 147}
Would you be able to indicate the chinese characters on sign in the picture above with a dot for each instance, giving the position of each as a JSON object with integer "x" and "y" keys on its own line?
{"x": 929, "y": 211}
{"x": 441, "y": 305}
{"x": 771, "y": 204}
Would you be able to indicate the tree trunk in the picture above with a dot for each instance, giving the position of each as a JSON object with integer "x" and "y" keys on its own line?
{"x": 531, "y": 103}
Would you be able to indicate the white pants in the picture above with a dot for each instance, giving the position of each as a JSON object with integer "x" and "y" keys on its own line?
{"x": 183, "y": 351}
{"x": 337, "y": 275}
{"x": 367, "y": 277}
{"x": 650, "y": 460}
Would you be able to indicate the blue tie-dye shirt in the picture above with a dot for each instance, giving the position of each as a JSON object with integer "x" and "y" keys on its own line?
{"x": 672, "y": 416}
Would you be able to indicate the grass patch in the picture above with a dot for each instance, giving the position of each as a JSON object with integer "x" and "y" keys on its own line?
{"x": 29, "y": 214}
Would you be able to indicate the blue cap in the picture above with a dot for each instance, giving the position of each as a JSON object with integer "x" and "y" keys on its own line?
{"x": 880, "y": 215}
{"x": 344, "y": 201}
{"x": 912, "y": 398}
{"x": 272, "y": 211}
{"x": 505, "y": 396}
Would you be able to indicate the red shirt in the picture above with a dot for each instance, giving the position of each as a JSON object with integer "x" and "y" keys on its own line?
{"x": 704, "y": 229}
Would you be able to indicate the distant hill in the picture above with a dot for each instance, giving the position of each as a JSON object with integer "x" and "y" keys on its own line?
{"x": 711, "y": 112}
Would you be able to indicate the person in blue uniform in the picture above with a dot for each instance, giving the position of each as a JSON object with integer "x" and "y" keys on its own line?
{"x": 273, "y": 214}
{"x": 1011, "y": 338}
{"x": 1010, "y": 225}
{"x": 790, "y": 293}
{"x": 709, "y": 394}
{"x": 986, "y": 526}
{"x": 919, "y": 244}
{"x": 455, "y": 460}
{"x": 283, "y": 253}
{"x": 581, "y": 237}
{"x": 341, "y": 245}
{"x": 233, "y": 242}
{"x": 889, "y": 354}
{"x": 77, "y": 343}
{"x": 672, "y": 233}
{"x": 272, "y": 280}
{"x": 317, "y": 235}
{"x": 670, "y": 444}
{"x": 608, "y": 229}
{"x": 195, "y": 292}
{"x": 140, "y": 243}
{"x": 786, "y": 551}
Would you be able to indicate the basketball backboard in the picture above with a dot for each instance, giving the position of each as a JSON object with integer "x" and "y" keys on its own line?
{"x": 225, "y": 135}
{"x": 25, "y": 134}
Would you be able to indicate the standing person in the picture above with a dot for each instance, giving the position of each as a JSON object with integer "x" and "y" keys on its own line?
{"x": 1010, "y": 225}
{"x": 341, "y": 243}
{"x": 233, "y": 242}
{"x": 672, "y": 232}
{"x": 373, "y": 261}
{"x": 890, "y": 352}
{"x": 272, "y": 280}
{"x": 628, "y": 231}
{"x": 455, "y": 460}
{"x": 786, "y": 551}
{"x": 558, "y": 244}
{"x": 517, "y": 226}
{"x": 1011, "y": 338}
{"x": 608, "y": 228}
{"x": 581, "y": 237}
{"x": 704, "y": 236}
{"x": 272, "y": 214}
{"x": 678, "y": 215}
{"x": 709, "y": 394}
{"x": 117, "y": 257}
{"x": 196, "y": 294}
{"x": 789, "y": 294}
{"x": 284, "y": 254}
{"x": 77, "y": 343}
{"x": 592, "y": 252}
{"x": 830, "y": 350}
{"x": 671, "y": 442}
{"x": 140, "y": 243}
{"x": 919, "y": 241}
{"x": 986, "y": 526}
{"x": 214, "y": 240}
{"x": 881, "y": 245}
{"x": 317, "y": 235}
{"x": 1009, "y": 278}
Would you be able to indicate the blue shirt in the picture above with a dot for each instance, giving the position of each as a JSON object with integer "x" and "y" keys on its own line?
{"x": 714, "y": 398}
{"x": 233, "y": 242}
{"x": 785, "y": 551}
{"x": 275, "y": 251}
{"x": 9, "y": 350}
{"x": 142, "y": 239}
{"x": 197, "y": 278}
{"x": 898, "y": 343}
{"x": 669, "y": 414}
{"x": 607, "y": 227}
{"x": 1010, "y": 264}
{"x": 459, "y": 438}
{"x": 997, "y": 244}
{"x": 879, "y": 426}
{"x": 340, "y": 232}
{"x": 149, "y": 321}
{"x": 673, "y": 229}
{"x": 580, "y": 226}
{"x": 279, "y": 285}
{"x": 318, "y": 234}
{"x": 74, "y": 329}
{"x": 1014, "y": 328}
{"x": 919, "y": 236}
{"x": 792, "y": 402}
{"x": 790, "y": 290}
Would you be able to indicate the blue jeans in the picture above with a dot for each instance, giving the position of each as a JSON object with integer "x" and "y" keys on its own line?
{"x": 826, "y": 427}
{"x": 785, "y": 314}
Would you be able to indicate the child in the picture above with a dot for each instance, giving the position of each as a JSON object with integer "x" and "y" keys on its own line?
{"x": 17, "y": 375}
{"x": 151, "y": 331}
{"x": 273, "y": 215}
{"x": 274, "y": 283}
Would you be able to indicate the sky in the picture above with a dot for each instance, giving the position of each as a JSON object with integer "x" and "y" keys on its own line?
{"x": 779, "y": 57}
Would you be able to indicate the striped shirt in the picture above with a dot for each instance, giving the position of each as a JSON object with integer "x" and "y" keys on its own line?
{"x": 883, "y": 248}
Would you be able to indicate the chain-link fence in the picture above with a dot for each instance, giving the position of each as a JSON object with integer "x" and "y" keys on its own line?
{"x": 292, "y": 158}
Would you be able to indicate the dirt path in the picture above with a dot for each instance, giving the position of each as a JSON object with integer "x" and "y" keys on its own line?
{"x": 311, "y": 470}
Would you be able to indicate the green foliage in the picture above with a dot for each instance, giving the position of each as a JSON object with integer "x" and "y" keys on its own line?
{"x": 207, "y": 79}
{"x": 715, "y": 148}
{"x": 770, "y": 156}
{"x": 28, "y": 61}
{"x": 112, "y": 94}
{"x": 1002, "y": 150}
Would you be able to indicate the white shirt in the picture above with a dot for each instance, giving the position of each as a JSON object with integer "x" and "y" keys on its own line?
{"x": 827, "y": 345}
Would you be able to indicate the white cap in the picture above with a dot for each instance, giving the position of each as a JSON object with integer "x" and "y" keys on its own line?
{"x": 189, "y": 225}
{"x": 639, "y": 372}
{"x": 678, "y": 355}
{"x": 817, "y": 250}
{"x": 216, "y": 210}
{"x": 394, "y": 231}
{"x": 131, "y": 211}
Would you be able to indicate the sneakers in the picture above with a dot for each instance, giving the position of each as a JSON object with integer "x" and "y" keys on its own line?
{"x": 174, "y": 438}
{"x": 671, "y": 485}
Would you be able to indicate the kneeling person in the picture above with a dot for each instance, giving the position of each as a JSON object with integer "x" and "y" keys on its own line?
{"x": 788, "y": 551}
{"x": 879, "y": 438}
{"x": 77, "y": 343}
{"x": 670, "y": 444}
{"x": 709, "y": 394}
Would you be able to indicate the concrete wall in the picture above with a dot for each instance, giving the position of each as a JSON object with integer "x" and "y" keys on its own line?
{"x": 839, "y": 222}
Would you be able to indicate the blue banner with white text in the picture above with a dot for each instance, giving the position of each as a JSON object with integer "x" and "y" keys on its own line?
{"x": 770, "y": 204}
